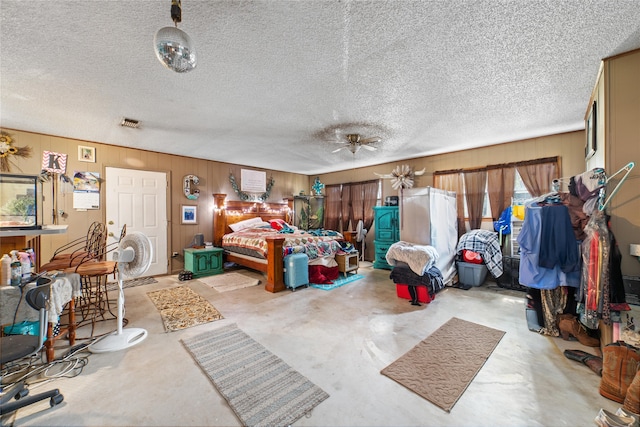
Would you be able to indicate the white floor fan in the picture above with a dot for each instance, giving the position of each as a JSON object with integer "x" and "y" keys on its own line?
{"x": 133, "y": 256}
{"x": 361, "y": 234}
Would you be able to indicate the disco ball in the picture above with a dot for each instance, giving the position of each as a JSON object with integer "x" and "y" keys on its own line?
{"x": 174, "y": 49}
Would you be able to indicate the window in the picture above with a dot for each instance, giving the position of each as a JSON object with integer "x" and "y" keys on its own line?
{"x": 486, "y": 210}
{"x": 520, "y": 193}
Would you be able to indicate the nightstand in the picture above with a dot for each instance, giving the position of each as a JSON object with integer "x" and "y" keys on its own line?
{"x": 347, "y": 263}
{"x": 203, "y": 262}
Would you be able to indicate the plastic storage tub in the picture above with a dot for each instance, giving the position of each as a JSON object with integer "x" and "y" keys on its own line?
{"x": 472, "y": 274}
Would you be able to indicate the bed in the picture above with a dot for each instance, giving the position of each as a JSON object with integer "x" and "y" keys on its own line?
{"x": 259, "y": 246}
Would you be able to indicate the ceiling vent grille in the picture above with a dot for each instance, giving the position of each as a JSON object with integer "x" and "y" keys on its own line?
{"x": 130, "y": 123}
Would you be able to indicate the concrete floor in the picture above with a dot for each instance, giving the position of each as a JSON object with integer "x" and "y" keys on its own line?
{"x": 339, "y": 339}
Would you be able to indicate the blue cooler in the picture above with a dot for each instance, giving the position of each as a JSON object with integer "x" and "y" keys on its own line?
{"x": 296, "y": 271}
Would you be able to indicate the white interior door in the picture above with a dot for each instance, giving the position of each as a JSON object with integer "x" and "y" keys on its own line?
{"x": 139, "y": 200}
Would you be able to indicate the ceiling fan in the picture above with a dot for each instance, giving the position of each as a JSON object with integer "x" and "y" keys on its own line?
{"x": 354, "y": 142}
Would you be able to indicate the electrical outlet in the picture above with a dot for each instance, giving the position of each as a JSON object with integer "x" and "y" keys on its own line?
{"x": 174, "y": 254}
{"x": 634, "y": 249}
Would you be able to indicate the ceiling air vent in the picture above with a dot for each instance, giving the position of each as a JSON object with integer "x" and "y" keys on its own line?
{"x": 130, "y": 123}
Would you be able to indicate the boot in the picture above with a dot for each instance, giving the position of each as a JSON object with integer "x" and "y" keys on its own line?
{"x": 619, "y": 367}
{"x": 632, "y": 401}
{"x": 571, "y": 327}
{"x": 559, "y": 317}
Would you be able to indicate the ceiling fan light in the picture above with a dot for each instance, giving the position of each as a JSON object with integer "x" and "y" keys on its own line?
{"x": 174, "y": 49}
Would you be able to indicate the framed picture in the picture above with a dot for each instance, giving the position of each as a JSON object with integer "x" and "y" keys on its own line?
{"x": 188, "y": 214}
{"x": 591, "y": 130}
{"x": 86, "y": 154}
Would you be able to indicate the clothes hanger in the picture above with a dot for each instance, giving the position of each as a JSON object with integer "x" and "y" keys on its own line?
{"x": 602, "y": 206}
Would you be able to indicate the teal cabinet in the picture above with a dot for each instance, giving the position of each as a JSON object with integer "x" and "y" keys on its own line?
{"x": 387, "y": 232}
{"x": 203, "y": 262}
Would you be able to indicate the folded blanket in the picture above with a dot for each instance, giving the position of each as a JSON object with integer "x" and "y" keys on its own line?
{"x": 485, "y": 243}
{"x": 420, "y": 258}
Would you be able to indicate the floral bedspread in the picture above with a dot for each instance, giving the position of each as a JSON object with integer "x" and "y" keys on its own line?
{"x": 253, "y": 241}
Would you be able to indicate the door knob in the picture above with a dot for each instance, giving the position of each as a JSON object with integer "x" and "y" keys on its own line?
{"x": 110, "y": 222}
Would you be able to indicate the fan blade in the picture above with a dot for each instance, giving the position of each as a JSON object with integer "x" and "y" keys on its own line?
{"x": 369, "y": 147}
{"x": 341, "y": 148}
{"x": 370, "y": 140}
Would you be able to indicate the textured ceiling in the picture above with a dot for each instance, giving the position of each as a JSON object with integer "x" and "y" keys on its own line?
{"x": 276, "y": 81}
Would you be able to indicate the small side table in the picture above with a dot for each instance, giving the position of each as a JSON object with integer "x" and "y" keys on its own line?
{"x": 203, "y": 262}
{"x": 347, "y": 263}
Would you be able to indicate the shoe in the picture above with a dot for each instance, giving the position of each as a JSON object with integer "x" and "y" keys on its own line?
{"x": 609, "y": 419}
{"x": 621, "y": 413}
{"x": 571, "y": 327}
{"x": 632, "y": 399}
{"x": 593, "y": 362}
{"x": 620, "y": 365}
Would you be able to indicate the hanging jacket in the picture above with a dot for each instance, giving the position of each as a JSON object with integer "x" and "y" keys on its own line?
{"x": 531, "y": 273}
{"x": 558, "y": 245}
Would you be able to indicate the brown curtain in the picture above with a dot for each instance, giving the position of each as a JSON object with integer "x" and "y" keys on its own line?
{"x": 538, "y": 177}
{"x": 357, "y": 203}
{"x": 333, "y": 205}
{"x": 346, "y": 206}
{"x": 370, "y": 190}
{"x": 475, "y": 186}
{"x": 500, "y": 185}
{"x": 453, "y": 182}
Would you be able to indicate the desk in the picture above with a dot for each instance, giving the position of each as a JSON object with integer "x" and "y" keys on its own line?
{"x": 64, "y": 289}
{"x": 20, "y": 239}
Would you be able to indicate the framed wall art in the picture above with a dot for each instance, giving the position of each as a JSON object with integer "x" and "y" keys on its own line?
{"x": 188, "y": 214}
{"x": 591, "y": 129}
{"x": 86, "y": 154}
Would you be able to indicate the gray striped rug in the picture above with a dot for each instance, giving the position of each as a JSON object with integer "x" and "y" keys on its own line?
{"x": 259, "y": 386}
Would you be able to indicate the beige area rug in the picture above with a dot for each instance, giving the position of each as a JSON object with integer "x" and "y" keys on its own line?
{"x": 182, "y": 308}
{"x": 229, "y": 281}
{"x": 441, "y": 367}
{"x": 259, "y": 386}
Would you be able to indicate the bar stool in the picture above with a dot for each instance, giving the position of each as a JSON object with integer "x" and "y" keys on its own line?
{"x": 94, "y": 271}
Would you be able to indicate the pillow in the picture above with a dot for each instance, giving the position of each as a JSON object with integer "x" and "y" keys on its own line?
{"x": 277, "y": 224}
{"x": 241, "y": 225}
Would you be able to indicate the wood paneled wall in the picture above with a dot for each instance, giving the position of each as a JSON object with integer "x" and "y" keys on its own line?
{"x": 214, "y": 178}
{"x": 622, "y": 145}
{"x": 568, "y": 146}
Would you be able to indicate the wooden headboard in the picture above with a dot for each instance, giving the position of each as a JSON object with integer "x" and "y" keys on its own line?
{"x": 230, "y": 212}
